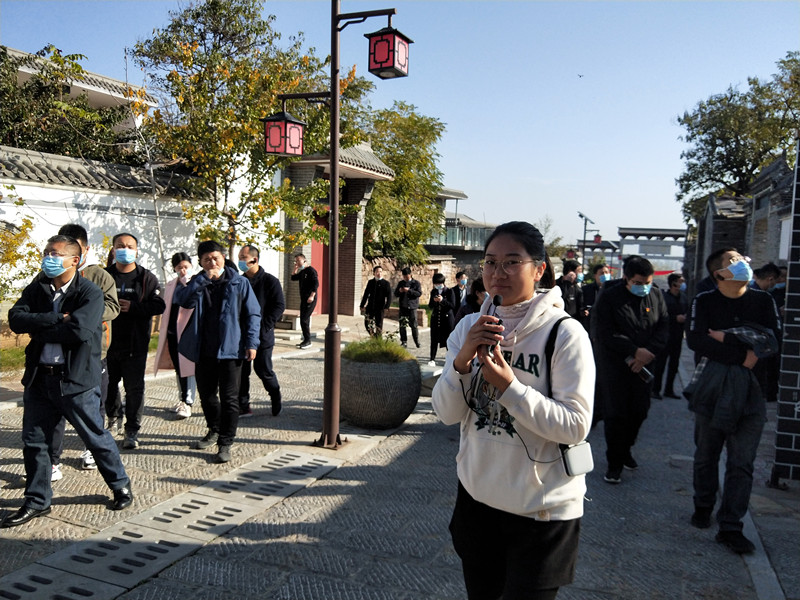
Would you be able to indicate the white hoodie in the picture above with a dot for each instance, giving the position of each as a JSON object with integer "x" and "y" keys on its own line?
{"x": 494, "y": 457}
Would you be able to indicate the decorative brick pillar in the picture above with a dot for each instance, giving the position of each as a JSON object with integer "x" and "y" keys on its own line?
{"x": 787, "y": 441}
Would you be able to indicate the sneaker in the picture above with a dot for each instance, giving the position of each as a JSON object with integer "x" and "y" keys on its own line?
{"x": 184, "y": 411}
{"x": 736, "y": 542}
{"x": 87, "y": 461}
{"x": 630, "y": 463}
{"x": 613, "y": 476}
{"x": 55, "y": 473}
{"x": 701, "y": 517}
{"x": 223, "y": 454}
{"x": 304, "y": 345}
{"x": 245, "y": 413}
{"x": 208, "y": 440}
{"x": 431, "y": 363}
{"x": 177, "y": 407}
{"x": 115, "y": 425}
{"x": 404, "y": 345}
{"x": 131, "y": 441}
{"x": 417, "y": 343}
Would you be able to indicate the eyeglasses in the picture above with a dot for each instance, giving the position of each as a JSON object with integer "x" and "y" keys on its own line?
{"x": 54, "y": 254}
{"x": 509, "y": 267}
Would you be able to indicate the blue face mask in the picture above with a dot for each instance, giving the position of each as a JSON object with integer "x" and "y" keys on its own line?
{"x": 579, "y": 278}
{"x": 243, "y": 266}
{"x": 641, "y": 290}
{"x": 439, "y": 287}
{"x": 125, "y": 256}
{"x": 463, "y": 281}
{"x": 53, "y": 266}
{"x": 683, "y": 286}
{"x": 780, "y": 286}
{"x": 741, "y": 271}
{"x": 605, "y": 277}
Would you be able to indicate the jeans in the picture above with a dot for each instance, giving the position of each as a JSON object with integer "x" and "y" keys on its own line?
{"x": 128, "y": 368}
{"x": 57, "y": 447}
{"x": 741, "y": 446}
{"x": 306, "y": 310}
{"x": 44, "y": 405}
{"x": 411, "y": 315}
{"x": 221, "y": 410}
{"x": 263, "y": 368}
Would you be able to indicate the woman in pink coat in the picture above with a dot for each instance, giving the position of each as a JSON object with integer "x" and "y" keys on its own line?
{"x": 173, "y": 322}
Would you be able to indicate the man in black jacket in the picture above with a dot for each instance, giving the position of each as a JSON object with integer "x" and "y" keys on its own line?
{"x": 570, "y": 290}
{"x": 713, "y": 314}
{"x": 677, "y": 307}
{"x": 306, "y": 275}
{"x": 408, "y": 291}
{"x": 269, "y": 294}
{"x": 631, "y": 327}
{"x": 375, "y": 301}
{"x": 139, "y": 300}
{"x": 63, "y": 315}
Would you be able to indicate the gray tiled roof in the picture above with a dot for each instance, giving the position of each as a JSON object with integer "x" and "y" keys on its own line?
{"x": 115, "y": 87}
{"x": 53, "y": 169}
{"x": 359, "y": 156}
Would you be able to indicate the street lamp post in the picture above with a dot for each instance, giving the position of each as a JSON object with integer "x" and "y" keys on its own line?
{"x": 583, "y": 239}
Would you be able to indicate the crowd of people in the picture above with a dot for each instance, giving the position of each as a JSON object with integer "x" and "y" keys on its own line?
{"x": 90, "y": 328}
{"x": 532, "y": 364}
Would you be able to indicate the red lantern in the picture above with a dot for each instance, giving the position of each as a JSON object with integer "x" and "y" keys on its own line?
{"x": 597, "y": 238}
{"x": 388, "y": 53}
{"x": 570, "y": 253}
{"x": 283, "y": 134}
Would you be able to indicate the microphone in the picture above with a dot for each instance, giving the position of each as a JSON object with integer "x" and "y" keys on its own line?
{"x": 496, "y": 301}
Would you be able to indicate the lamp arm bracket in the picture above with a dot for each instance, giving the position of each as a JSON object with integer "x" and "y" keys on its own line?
{"x": 359, "y": 17}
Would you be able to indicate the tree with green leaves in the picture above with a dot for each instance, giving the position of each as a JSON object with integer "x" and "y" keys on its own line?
{"x": 735, "y": 134}
{"x": 218, "y": 68}
{"x": 403, "y": 214}
{"x": 39, "y": 113}
{"x": 553, "y": 242}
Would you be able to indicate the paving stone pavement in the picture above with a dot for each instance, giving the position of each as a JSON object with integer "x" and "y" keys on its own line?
{"x": 366, "y": 521}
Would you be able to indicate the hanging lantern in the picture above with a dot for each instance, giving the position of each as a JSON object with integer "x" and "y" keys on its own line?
{"x": 597, "y": 238}
{"x": 283, "y": 134}
{"x": 388, "y": 53}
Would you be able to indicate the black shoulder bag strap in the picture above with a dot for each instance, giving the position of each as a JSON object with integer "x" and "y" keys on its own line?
{"x": 549, "y": 348}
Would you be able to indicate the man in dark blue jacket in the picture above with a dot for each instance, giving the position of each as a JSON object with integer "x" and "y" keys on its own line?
{"x": 269, "y": 294}
{"x": 63, "y": 315}
{"x": 223, "y": 333}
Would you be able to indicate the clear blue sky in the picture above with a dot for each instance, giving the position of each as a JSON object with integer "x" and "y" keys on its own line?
{"x": 527, "y": 136}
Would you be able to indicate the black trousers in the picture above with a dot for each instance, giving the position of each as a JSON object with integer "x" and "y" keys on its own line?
{"x": 511, "y": 556}
{"x": 218, "y": 387}
{"x": 57, "y": 445}
{"x": 671, "y": 355}
{"x": 128, "y": 368}
{"x": 183, "y": 382}
{"x": 263, "y": 368}
{"x": 411, "y": 315}
{"x": 306, "y": 310}
{"x": 627, "y": 402}
{"x": 373, "y": 323}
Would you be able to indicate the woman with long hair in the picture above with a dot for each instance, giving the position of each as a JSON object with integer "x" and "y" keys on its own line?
{"x": 173, "y": 322}
{"x": 517, "y": 516}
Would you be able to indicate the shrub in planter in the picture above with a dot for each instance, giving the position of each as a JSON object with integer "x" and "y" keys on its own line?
{"x": 380, "y": 383}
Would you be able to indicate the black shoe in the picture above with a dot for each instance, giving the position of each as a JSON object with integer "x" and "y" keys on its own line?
{"x": 304, "y": 345}
{"x": 223, "y": 454}
{"x": 736, "y": 541}
{"x": 123, "y": 498}
{"x": 630, "y": 463}
{"x": 701, "y": 517}
{"x": 656, "y": 395}
{"x": 613, "y": 476}
{"x": 208, "y": 440}
{"x": 671, "y": 394}
{"x": 23, "y": 515}
{"x": 276, "y": 405}
{"x": 417, "y": 343}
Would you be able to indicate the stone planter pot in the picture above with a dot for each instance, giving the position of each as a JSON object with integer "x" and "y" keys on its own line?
{"x": 378, "y": 395}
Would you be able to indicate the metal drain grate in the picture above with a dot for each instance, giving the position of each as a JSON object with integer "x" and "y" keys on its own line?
{"x": 192, "y": 515}
{"x": 36, "y": 582}
{"x": 285, "y": 465}
{"x": 123, "y": 554}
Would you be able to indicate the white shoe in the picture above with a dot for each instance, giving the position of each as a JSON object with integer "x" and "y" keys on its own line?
{"x": 431, "y": 363}
{"x": 184, "y": 411}
{"x": 56, "y": 473}
{"x": 177, "y": 407}
{"x": 87, "y": 461}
